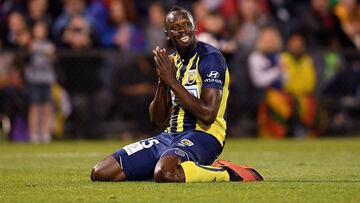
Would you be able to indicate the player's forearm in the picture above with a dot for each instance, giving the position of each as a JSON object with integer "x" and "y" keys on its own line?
{"x": 159, "y": 107}
{"x": 205, "y": 112}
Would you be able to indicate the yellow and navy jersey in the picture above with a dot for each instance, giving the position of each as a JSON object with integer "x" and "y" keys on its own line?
{"x": 204, "y": 68}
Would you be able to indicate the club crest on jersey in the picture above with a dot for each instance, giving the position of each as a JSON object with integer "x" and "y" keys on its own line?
{"x": 191, "y": 77}
{"x": 187, "y": 142}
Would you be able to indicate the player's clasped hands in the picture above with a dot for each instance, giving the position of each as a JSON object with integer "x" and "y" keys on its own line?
{"x": 165, "y": 68}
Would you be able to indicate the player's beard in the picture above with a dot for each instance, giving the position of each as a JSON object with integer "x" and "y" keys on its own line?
{"x": 184, "y": 49}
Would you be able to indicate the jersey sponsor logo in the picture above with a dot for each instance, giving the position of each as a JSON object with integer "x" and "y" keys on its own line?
{"x": 191, "y": 77}
{"x": 210, "y": 80}
{"x": 213, "y": 74}
{"x": 137, "y": 146}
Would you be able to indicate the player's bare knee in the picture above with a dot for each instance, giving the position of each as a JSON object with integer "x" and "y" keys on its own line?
{"x": 159, "y": 175}
{"x": 165, "y": 173}
{"x": 98, "y": 173}
{"x": 92, "y": 175}
{"x": 95, "y": 174}
{"x": 107, "y": 170}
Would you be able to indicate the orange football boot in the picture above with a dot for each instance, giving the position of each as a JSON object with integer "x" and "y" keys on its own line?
{"x": 237, "y": 172}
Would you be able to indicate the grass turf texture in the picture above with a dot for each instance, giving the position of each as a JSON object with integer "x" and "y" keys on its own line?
{"x": 324, "y": 170}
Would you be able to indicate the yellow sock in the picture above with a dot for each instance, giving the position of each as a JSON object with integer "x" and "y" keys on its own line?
{"x": 200, "y": 173}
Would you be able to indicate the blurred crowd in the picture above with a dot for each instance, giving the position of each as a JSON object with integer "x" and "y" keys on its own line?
{"x": 137, "y": 25}
{"x": 294, "y": 65}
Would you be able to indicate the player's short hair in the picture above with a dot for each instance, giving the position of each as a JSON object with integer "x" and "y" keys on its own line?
{"x": 179, "y": 8}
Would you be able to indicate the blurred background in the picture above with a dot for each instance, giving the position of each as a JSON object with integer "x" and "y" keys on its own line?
{"x": 83, "y": 69}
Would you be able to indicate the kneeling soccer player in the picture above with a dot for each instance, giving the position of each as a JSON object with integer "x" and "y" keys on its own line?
{"x": 192, "y": 94}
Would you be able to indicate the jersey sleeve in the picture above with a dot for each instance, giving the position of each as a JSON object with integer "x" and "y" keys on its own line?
{"x": 212, "y": 69}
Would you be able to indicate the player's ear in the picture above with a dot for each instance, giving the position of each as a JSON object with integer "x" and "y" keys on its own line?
{"x": 166, "y": 35}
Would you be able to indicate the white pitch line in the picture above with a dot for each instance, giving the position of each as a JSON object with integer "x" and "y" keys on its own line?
{"x": 52, "y": 155}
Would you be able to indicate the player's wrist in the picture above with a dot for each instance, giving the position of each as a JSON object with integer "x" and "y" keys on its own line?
{"x": 161, "y": 83}
{"x": 173, "y": 84}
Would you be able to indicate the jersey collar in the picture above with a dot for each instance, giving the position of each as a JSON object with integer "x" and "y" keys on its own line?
{"x": 185, "y": 59}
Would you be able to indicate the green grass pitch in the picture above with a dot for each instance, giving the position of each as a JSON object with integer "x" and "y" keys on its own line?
{"x": 322, "y": 170}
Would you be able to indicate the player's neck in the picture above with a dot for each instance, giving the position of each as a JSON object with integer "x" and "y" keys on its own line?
{"x": 187, "y": 52}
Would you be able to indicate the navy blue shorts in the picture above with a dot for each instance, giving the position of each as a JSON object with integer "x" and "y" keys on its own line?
{"x": 39, "y": 93}
{"x": 138, "y": 160}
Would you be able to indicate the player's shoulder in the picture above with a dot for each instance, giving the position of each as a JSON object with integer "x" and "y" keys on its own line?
{"x": 210, "y": 56}
{"x": 211, "y": 59}
{"x": 207, "y": 50}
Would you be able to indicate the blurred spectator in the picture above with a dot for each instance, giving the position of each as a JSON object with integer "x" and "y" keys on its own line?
{"x": 251, "y": 18}
{"x": 200, "y": 12}
{"x": 321, "y": 25}
{"x": 2, "y": 26}
{"x": 348, "y": 12}
{"x": 36, "y": 11}
{"x": 287, "y": 13}
{"x": 122, "y": 32}
{"x": 12, "y": 101}
{"x": 289, "y": 105}
{"x": 266, "y": 74}
{"x": 228, "y": 9}
{"x": 347, "y": 81}
{"x": 298, "y": 66}
{"x": 155, "y": 28}
{"x": 212, "y": 5}
{"x": 98, "y": 9}
{"x": 329, "y": 63}
{"x": 10, "y": 79}
{"x": 40, "y": 76}
{"x": 282, "y": 10}
{"x": 215, "y": 33}
{"x": 62, "y": 109}
{"x": 345, "y": 87}
{"x": 77, "y": 34}
{"x": 71, "y": 9}
{"x": 299, "y": 87}
{"x": 265, "y": 70}
{"x": 18, "y": 34}
{"x": 8, "y": 6}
